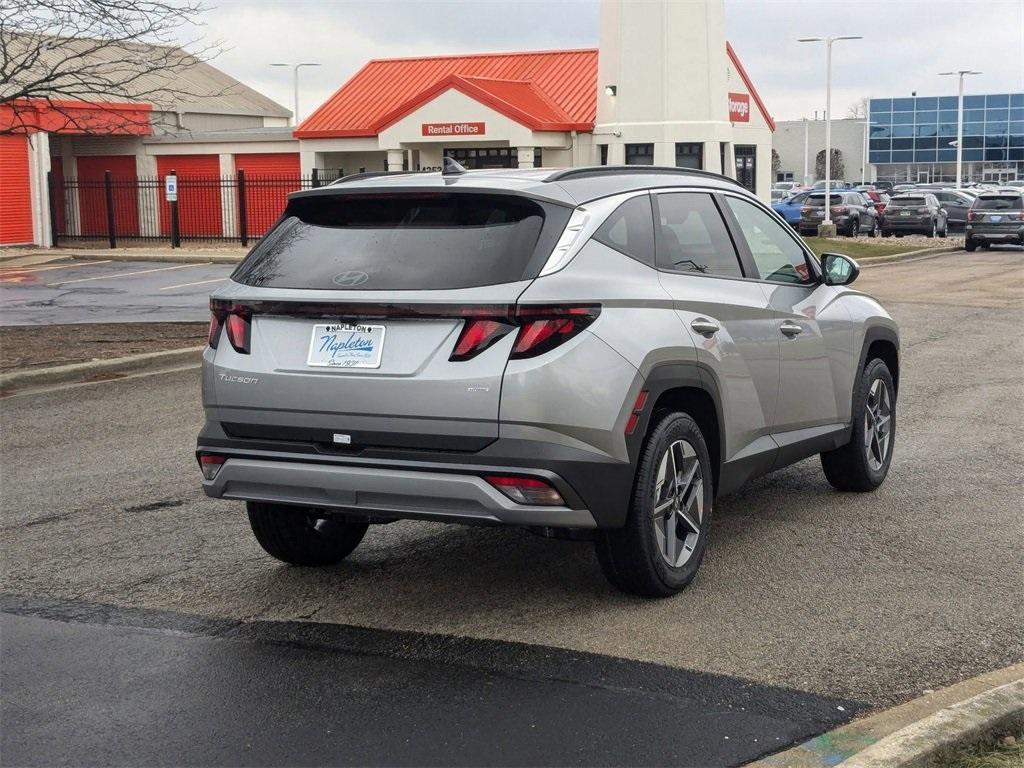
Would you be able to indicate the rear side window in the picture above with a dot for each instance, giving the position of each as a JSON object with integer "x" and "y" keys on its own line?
{"x": 1003, "y": 203}
{"x": 692, "y": 236}
{"x": 404, "y": 242}
{"x": 630, "y": 229}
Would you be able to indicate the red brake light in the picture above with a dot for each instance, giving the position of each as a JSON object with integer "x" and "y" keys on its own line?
{"x": 970, "y": 215}
{"x": 210, "y": 465}
{"x": 237, "y": 320}
{"x": 923, "y": 210}
{"x": 477, "y": 335}
{"x": 839, "y": 209}
{"x": 526, "y": 490}
{"x": 544, "y": 328}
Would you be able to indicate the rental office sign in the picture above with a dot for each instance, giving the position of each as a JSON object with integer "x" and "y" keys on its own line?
{"x": 453, "y": 129}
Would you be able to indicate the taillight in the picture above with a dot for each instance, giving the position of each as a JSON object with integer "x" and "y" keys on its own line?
{"x": 477, "y": 335}
{"x": 806, "y": 209}
{"x": 237, "y": 321}
{"x": 210, "y": 465}
{"x": 923, "y": 210}
{"x": 526, "y": 490}
{"x": 971, "y": 215}
{"x": 544, "y": 328}
{"x": 840, "y": 209}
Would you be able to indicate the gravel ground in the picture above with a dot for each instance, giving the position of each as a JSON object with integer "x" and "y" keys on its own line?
{"x": 41, "y": 346}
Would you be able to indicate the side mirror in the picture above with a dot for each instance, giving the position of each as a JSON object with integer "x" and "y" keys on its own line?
{"x": 839, "y": 269}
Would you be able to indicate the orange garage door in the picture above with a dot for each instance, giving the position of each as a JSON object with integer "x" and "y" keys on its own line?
{"x": 199, "y": 195}
{"x": 92, "y": 194}
{"x": 268, "y": 180}
{"x": 15, "y": 191}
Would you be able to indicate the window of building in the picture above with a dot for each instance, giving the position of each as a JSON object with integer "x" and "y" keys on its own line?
{"x": 746, "y": 166}
{"x": 777, "y": 255}
{"x": 630, "y": 229}
{"x": 690, "y": 155}
{"x": 603, "y": 150}
{"x": 639, "y": 154}
{"x": 692, "y": 236}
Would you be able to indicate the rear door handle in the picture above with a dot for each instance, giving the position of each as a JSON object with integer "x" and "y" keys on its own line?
{"x": 704, "y": 327}
{"x": 790, "y": 328}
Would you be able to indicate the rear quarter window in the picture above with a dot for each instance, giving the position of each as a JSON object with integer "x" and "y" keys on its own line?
{"x": 414, "y": 241}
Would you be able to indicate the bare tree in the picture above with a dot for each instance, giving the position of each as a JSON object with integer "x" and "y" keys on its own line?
{"x": 859, "y": 109}
{"x": 776, "y": 162}
{"x": 93, "y": 53}
{"x": 838, "y": 167}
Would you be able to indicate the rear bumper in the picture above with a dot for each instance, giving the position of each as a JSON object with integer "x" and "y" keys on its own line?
{"x": 899, "y": 225}
{"x": 373, "y": 491}
{"x": 996, "y": 234}
{"x": 417, "y": 484}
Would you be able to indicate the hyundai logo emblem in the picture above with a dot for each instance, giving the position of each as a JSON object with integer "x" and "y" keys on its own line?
{"x": 350, "y": 279}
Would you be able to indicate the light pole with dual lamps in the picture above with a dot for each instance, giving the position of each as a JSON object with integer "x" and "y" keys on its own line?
{"x": 826, "y": 229}
{"x": 295, "y": 83}
{"x": 960, "y": 121}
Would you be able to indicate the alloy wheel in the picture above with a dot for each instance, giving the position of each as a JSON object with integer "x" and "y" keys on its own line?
{"x": 678, "y": 503}
{"x": 878, "y": 424}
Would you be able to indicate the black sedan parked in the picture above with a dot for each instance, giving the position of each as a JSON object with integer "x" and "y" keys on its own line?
{"x": 851, "y": 212}
{"x": 957, "y": 204}
{"x": 915, "y": 213}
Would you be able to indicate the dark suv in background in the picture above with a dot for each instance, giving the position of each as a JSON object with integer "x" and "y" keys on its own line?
{"x": 915, "y": 213}
{"x": 996, "y": 217}
{"x": 852, "y": 213}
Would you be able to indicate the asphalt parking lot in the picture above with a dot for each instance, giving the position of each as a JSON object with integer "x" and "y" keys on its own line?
{"x": 817, "y": 604}
{"x": 86, "y": 291}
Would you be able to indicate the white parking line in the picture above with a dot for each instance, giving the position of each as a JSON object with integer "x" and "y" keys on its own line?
{"x": 11, "y": 270}
{"x": 201, "y": 282}
{"x": 128, "y": 274}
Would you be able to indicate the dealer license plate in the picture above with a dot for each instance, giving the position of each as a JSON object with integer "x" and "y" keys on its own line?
{"x": 344, "y": 345}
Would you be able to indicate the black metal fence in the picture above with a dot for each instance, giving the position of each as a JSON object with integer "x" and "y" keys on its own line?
{"x": 208, "y": 208}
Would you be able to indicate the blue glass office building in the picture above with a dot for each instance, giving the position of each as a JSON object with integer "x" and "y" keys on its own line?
{"x": 910, "y": 138}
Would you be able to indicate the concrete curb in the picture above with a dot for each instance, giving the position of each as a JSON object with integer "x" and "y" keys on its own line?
{"x": 923, "y": 253}
{"x": 83, "y": 372}
{"x": 186, "y": 257}
{"x": 909, "y": 735}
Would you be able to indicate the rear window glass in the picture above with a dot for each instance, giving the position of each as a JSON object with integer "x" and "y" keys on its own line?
{"x": 404, "y": 242}
{"x": 820, "y": 199}
{"x": 1008, "y": 203}
{"x": 898, "y": 201}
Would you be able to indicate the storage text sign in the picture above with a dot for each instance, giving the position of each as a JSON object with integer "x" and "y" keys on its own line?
{"x": 454, "y": 129}
{"x": 739, "y": 108}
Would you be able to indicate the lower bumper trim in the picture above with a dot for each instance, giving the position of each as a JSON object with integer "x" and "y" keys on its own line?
{"x": 376, "y": 492}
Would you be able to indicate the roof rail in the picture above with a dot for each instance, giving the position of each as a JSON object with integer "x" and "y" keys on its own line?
{"x": 613, "y": 170}
{"x": 370, "y": 175}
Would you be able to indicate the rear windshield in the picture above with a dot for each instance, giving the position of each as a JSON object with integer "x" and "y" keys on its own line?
{"x": 1008, "y": 203}
{"x": 898, "y": 201}
{"x": 404, "y": 242}
{"x": 820, "y": 199}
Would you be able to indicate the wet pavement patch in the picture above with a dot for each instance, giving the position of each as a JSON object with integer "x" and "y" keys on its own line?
{"x": 184, "y": 689}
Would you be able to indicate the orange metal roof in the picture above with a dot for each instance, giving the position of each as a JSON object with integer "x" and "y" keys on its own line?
{"x": 543, "y": 88}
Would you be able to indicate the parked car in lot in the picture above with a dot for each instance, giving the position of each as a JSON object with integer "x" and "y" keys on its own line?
{"x": 787, "y": 186}
{"x": 915, "y": 213}
{"x": 883, "y": 186}
{"x": 851, "y": 212}
{"x": 995, "y": 218}
{"x": 956, "y": 204}
{"x": 566, "y": 351}
{"x": 789, "y": 207}
{"x": 878, "y": 199}
{"x": 834, "y": 184}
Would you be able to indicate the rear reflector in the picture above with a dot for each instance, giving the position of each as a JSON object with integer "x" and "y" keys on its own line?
{"x": 526, "y": 490}
{"x": 637, "y": 412}
{"x": 210, "y": 465}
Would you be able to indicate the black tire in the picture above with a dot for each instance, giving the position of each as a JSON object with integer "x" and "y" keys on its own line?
{"x": 304, "y": 535}
{"x": 854, "y": 228}
{"x": 970, "y": 245}
{"x": 848, "y": 468}
{"x": 876, "y": 229}
{"x": 631, "y": 557}
{"x": 945, "y": 229}
{"x": 886, "y": 234}
{"x": 987, "y": 246}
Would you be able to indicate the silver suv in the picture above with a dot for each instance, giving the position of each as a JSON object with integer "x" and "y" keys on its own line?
{"x": 594, "y": 353}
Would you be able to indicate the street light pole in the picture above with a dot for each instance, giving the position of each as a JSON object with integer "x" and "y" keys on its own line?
{"x": 295, "y": 84}
{"x": 960, "y": 121}
{"x": 828, "y": 113}
{"x": 806, "y": 143}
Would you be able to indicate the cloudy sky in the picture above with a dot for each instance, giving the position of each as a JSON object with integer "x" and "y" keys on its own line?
{"x": 906, "y": 42}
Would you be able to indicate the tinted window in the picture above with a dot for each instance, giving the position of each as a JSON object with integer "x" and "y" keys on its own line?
{"x": 819, "y": 200}
{"x": 777, "y": 255}
{"x": 403, "y": 241}
{"x": 1007, "y": 203}
{"x": 898, "y": 201}
{"x": 630, "y": 229}
{"x": 692, "y": 236}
